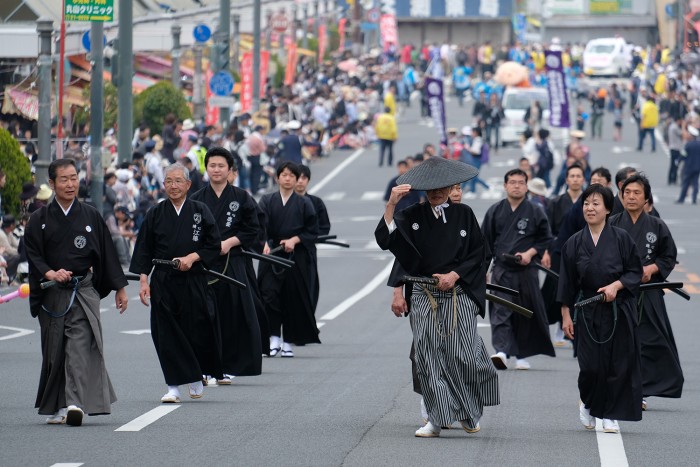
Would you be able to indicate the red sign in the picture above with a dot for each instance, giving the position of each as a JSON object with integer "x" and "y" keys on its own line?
{"x": 264, "y": 70}
{"x": 279, "y": 23}
{"x": 389, "y": 30}
{"x": 322, "y": 42}
{"x": 290, "y": 71}
{"x": 211, "y": 112}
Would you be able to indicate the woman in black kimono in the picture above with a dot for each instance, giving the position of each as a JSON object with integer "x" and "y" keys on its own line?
{"x": 602, "y": 259}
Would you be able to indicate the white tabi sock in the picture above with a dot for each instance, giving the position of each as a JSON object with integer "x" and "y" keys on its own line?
{"x": 196, "y": 388}
{"x": 174, "y": 391}
{"x": 274, "y": 342}
{"x": 286, "y": 347}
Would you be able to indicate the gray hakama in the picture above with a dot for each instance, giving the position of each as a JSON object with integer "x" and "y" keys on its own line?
{"x": 455, "y": 372}
{"x": 73, "y": 371}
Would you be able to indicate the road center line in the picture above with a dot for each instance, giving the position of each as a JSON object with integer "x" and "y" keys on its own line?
{"x": 146, "y": 419}
{"x": 333, "y": 173}
{"x": 68, "y": 464}
{"x": 610, "y": 447}
{"x": 378, "y": 280}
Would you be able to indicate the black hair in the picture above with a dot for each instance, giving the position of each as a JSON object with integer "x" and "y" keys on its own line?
{"x": 109, "y": 176}
{"x": 602, "y": 172}
{"x": 543, "y": 133}
{"x": 623, "y": 174}
{"x": 642, "y": 180}
{"x": 527, "y": 134}
{"x": 513, "y": 172}
{"x": 603, "y": 191}
{"x": 403, "y": 162}
{"x": 291, "y": 166}
{"x": 477, "y": 130}
{"x": 58, "y": 163}
{"x": 524, "y": 159}
{"x": 575, "y": 165}
{"x": 218, "y": 151}
{"x": 305, "y": 171}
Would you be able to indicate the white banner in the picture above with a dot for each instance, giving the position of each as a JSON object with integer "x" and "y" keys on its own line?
{"x": 454, "y": 7}
{"x": 420, "y": 8}
{"x": 488, "y": 8}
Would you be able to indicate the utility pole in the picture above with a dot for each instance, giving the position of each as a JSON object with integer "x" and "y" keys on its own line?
{"x": 294, "y": 22}
{"x": 236, "y": 40}
{"x": 224, "y": 41}
{"x": 96, "y": 114}
{"x": 175, "y": 30}
{"x": 125, "y": 95}
{"x": 256, "y": 54}
{"x": 197, "y": 97}
{"x": 316, "y": 18}
{"x": 356, "y": 33}
{"x": 268, "y": 30}
{"x": 44, "y": 26}
{"x": 305, "y": 26}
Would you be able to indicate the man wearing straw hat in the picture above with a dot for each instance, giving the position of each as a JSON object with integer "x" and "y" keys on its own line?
{"x": 442, "y": 240}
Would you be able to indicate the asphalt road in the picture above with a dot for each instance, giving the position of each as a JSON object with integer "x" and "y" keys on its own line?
{"x": 349, "y": 400}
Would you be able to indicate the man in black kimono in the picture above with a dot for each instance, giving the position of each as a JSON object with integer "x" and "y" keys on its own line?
{"x": 556, "y": 212}
{"x": 442, "y": 240}
{"x": 235, "y": 212}
{"x": 515, "y": 226}
{"x": 68, "y": 242}
{"x": 291, "y": 225}
{"x": 184, "y": 324}
{"x": 324, "y": 223}
{"x": 662, "y": 375}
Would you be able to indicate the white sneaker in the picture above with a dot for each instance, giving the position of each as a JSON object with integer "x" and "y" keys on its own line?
{"x": 196, "y": 390}
{"x": 74, "y": 415}
{"x": 428, "y": 431}
{"x": 522, "y": 364}
{"x": 584, "y": 415}
{"x": 610, "y": 426}
{"x": 500, "y": 361}
{"x": 59, "y": 418}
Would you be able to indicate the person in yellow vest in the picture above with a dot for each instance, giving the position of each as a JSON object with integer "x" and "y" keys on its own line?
{"x": 647, "y": 124}
{"x": 661, "y": 82}
{"x": 390, "y": 100}
{"x": 387, "y": 133}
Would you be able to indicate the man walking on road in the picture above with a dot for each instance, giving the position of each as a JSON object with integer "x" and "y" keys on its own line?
{"x": 69, "y": 242}
{"x": 516, "y": 232}
{"x": 442, "y": 240}
{"x": 691, "y": 166}
{"x": 387, "y": 134}
{"x": 647, "y": 125}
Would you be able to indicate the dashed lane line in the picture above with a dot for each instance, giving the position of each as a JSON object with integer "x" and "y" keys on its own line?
{"x": 333, "y": 173}
{"x": 139, "y": 423}
{"x": 610, "y": 447}
{"x": 18, "y": 332}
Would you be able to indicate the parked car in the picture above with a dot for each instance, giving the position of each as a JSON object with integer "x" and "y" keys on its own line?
{"x": 607, "y": 57}
{"x": 515, "y": 103}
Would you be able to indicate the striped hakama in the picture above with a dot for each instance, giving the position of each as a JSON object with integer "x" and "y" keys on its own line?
{"x": 455, "y": 372}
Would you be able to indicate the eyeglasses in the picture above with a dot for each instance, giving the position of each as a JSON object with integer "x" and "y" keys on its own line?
{"x": 177, "y": 181}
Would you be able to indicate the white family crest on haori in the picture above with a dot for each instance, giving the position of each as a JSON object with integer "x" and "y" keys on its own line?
{"x": 233, "y": 206}
{"x": 651, "y": 237}
{"x": 80, "y": 242}
{"x": 197, "y": 218}
{"x": 463, "y": 233}
{"x": 415, "y": 226}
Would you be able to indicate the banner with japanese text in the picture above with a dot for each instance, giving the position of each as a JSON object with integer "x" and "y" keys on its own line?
{"x": 436, "y": 104}
{"x": 247, "y": 82}
{"x": 389, "y": 30}
{"x": 341, "y": 34}
{"x": 556, "y": 86}
{"x": 290, "y": 71}
{"x": 322, "y": 40}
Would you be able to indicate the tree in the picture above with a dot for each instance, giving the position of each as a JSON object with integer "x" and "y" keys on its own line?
{"x": 109, "y": 112}
{"x": 16, "y": 168}
{"x": 156, "y": 102}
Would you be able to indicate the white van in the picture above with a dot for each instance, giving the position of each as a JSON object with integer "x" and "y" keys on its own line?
{"x": 515, "y": 103}
{"x": 607, "y": 57}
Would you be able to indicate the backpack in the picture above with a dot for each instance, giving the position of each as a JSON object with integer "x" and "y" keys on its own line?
{"x": 546, "y": 160}
{"x": 485, "y": 153}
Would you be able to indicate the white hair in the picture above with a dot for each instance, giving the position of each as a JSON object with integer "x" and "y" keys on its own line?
{"x": 177, "y": 166}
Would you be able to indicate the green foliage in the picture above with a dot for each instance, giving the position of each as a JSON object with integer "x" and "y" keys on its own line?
{"x": 109, "y": 116}
{"x": 15, "y": 165}
{"x": 153, "y": 104}
{"x": 278, "y": 77}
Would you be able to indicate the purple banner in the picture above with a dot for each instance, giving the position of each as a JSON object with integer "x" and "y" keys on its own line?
{"x": 556, "y": 86}
{"x": 436, "y": 104}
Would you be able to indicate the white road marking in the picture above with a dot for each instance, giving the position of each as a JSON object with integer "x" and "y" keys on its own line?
{"x": 372, "y": 196}
{"x": 505, "y": 163}
{"x": 610, "y": 447}
{"x": 324, "y": 246}
{"x": 483, "y": 325}
{"x": 372, "y": 245}
{"x": 320, "y": 325}
{"x": 18, "y": 332}
{"x": 102, "y": 310}
{"x": 68, "y": 464}
{"x": 149, "y": 417}
{"x": 335, "y": 196}
{"x": 333, "y": 173}
{"x": 378, "y": 280}
{"x": 364, "y": 218}
{"x": 137, "y": 332}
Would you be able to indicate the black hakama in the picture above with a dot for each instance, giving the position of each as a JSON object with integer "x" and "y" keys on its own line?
{"x": 610, "y": 382}
{"x": 184, "y": 324}
{"x": 457, "y": 379}
{"x": 662, "y": 375}
{"x": 235, "y": 212}
{"x": 287, "y": 293}
{"x": 73, "y": 368}
{"x": 510, "y": 232}
{"x": 324, "y": 227}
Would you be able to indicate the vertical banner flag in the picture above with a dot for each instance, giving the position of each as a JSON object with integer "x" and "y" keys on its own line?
{"x": 436, "y": 104}
{"x": 556, "y": 86}
{"x": 211, "y": 112}
{"x": 389, "y": 30}
{"x": 247, "y": 82}
{"x": 264, "y": 71}
{"x": 322, "y": 38}
{"x": 290, "y": 71}
{"x": 341, "y": 34}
